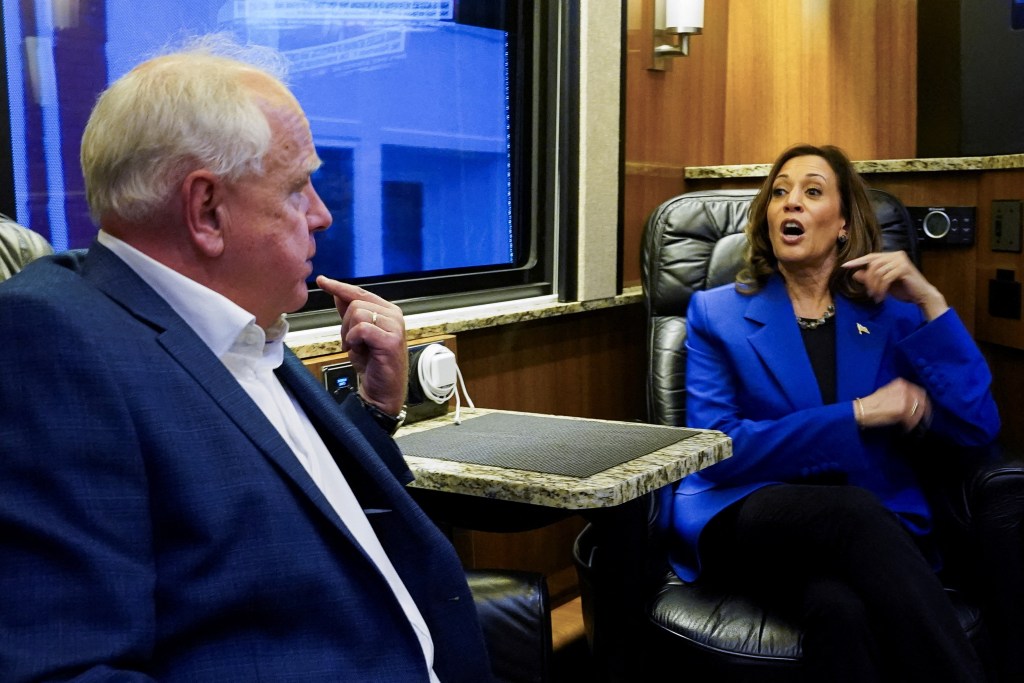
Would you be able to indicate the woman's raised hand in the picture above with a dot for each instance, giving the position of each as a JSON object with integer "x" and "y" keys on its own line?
{"x": 892, "y": 272}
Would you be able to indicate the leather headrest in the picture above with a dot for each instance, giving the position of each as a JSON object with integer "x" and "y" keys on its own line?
{"x": 683, "y": 246}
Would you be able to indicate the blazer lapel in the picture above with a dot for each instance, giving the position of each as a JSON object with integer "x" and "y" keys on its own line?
{"x": 781, "y": 348}
{"x": 351, "y": 446}
{"x": 119, "y": 282}
{"x": 861, "y": 334}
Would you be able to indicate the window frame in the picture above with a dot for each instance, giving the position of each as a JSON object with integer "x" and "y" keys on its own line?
{"x": 574, "y": 240}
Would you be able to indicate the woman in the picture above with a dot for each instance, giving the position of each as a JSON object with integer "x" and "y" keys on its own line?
{"x": 818, "y": 362}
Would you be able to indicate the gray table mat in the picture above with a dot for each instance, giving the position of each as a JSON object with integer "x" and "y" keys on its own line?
{"x": 537, "y": 443}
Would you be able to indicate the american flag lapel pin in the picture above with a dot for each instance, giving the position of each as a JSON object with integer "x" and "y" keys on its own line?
{"x": 862, "y": 330}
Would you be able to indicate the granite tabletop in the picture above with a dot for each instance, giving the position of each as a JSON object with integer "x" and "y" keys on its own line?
{"x": 923, "y": 165}
{"x": 614, "y": 486}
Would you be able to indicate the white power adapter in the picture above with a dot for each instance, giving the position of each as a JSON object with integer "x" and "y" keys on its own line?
{"x": 438, "y": 372}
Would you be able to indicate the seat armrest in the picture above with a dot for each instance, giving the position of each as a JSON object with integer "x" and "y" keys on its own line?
{"x": 978, "y": 502}
{"x": 968, "y": 487}
{"x": 995, "y": 491}
{"x": 516, "y": 618}
{"x": 996, "y": 506}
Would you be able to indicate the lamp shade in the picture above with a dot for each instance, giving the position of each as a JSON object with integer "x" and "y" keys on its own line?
{"x": 682, "y": 15}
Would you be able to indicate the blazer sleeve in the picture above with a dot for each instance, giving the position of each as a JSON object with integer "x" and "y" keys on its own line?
{"x": 942, "y": 358}
{"x": 77, "y": 576}
{"x": 782, "y": 447}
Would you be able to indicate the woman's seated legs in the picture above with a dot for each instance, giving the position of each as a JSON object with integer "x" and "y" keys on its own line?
{"x": 793, "y": 545}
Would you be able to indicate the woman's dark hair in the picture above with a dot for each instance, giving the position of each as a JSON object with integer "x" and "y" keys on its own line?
{"x": 861, "y": 226}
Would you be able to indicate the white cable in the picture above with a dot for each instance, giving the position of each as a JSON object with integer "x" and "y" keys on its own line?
{"x": 458, "y": 418}
{"x": 437, "y": 388}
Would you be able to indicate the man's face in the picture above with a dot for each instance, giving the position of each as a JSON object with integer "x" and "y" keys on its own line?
{"x": 271, "y": 219}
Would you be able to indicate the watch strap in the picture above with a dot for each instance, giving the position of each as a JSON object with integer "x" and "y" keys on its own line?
{"x": 389, "y": 423}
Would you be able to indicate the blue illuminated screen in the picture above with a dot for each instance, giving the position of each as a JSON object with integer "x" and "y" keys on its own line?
{"x": 409, "y": 110}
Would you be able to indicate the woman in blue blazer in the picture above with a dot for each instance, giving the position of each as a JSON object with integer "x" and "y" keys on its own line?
{"x": 818, "y": 362}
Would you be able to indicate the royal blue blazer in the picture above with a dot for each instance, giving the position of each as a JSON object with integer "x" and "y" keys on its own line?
{"x": 748, "y": 375}
{"x": 155, "y": 526}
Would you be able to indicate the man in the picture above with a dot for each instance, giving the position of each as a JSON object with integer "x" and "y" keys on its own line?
{"x": 179, "y": 499}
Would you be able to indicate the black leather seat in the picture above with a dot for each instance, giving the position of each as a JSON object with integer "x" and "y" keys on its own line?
{"x": 695, "y": 241}
{"x": 516, "y": 619}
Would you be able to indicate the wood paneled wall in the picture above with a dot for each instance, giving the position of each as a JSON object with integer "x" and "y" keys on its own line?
{"x": 842, "y": 72}
{"x": 586, "y": 364}
{"x": 763, "y": 76}
{"x": 997, "y": 185}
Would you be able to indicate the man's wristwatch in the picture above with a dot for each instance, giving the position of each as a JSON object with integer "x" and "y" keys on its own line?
{"x": 389, "y": 423}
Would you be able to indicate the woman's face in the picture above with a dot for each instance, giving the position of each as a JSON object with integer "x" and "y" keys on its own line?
{"x": 805, "y": 215}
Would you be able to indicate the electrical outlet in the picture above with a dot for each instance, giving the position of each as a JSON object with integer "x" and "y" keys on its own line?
{"x": 1006, "y": 226}
{"x": 339, "y": 379}
{"x": 418, "y": 406}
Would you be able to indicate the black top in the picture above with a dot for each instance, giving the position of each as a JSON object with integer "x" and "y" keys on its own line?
{"x": 820, "y": 343}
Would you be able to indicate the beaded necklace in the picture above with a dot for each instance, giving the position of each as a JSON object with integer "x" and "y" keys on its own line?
{"x": 813, "y": 323}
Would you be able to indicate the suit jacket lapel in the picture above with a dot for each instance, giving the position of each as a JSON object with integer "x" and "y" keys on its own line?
{"x": 349, "y": 446}
{"x": 861, "y": 334}
{"x": 119, "y": 282}
{"x": 779, "y": 344}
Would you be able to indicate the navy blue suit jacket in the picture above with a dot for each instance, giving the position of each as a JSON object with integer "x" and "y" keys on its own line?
{"x": 748, "y": 375}
{"x": 152, "y": 520}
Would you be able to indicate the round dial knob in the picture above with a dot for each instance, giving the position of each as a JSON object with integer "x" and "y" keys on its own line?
{"x": 936, "y": 224}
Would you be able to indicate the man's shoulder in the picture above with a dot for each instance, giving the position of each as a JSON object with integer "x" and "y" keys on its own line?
{"x": 50, "y": 293}
{"x": 46, "y": 277}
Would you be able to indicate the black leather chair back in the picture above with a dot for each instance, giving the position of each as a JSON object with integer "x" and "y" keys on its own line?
{"x": 696, "y": 241}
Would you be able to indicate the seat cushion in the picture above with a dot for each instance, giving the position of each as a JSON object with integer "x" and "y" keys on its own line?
{"x": 723, "y": 623}
{"x": 729, "y": 626}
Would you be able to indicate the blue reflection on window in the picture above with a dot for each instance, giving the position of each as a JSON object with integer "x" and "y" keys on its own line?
{"x": 409, "y": 111}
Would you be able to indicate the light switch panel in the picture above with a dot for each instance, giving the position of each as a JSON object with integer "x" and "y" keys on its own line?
{"x": 1006, "y": 227}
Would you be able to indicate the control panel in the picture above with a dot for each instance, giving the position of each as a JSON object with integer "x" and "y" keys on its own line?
{"x": 942, "y": 226}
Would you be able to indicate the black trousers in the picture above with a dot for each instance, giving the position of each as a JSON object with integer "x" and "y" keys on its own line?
{"x": 842, "y": 565}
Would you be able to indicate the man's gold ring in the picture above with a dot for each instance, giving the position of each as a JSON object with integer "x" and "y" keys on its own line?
{"x": 913, "y": 408}
{"x": 373, "y": 321}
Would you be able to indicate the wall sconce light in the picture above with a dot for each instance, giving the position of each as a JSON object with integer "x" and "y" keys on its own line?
{"x": 674, "y": 22}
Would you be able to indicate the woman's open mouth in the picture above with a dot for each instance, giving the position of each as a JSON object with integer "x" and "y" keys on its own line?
{"x": 792, "y": 231}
